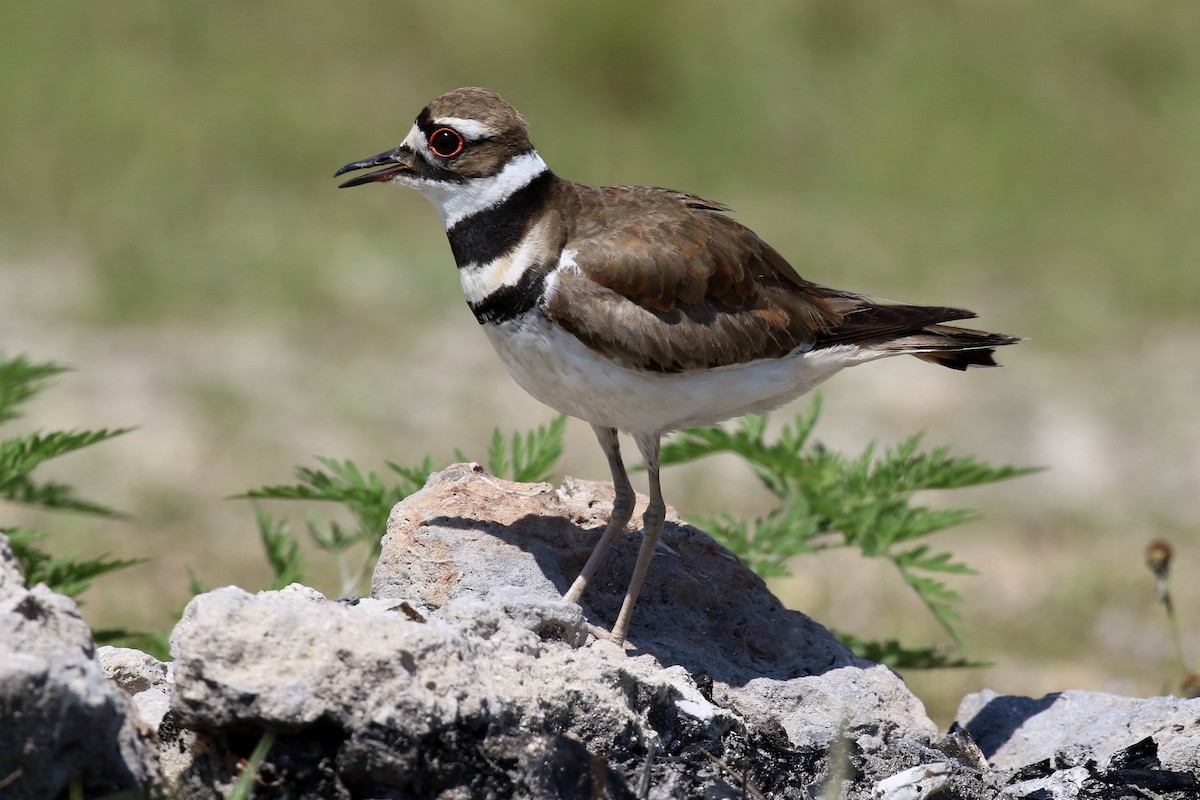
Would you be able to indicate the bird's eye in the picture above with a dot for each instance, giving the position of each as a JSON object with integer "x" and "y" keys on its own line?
{"x": 446, "y": 142}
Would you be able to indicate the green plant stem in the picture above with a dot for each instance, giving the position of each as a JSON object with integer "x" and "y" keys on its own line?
{"x": 245, "y": 782}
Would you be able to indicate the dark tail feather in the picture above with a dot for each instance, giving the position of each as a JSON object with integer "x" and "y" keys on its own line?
{"x": 915, "y": 330}
{"x": 950, "y": 346}
{"x": 962, "y": 358}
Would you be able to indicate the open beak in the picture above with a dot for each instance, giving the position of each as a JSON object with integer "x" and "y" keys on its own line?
{"x": 394, "y": 162}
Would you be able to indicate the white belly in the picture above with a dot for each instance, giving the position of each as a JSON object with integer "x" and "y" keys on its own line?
{"x": 562, "y": 372}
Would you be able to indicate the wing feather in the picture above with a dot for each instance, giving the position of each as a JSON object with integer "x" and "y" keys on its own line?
{"x": 665, "y": 281}
{"x": 662, "y": 280}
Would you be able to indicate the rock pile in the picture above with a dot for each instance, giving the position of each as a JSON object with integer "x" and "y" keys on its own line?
{"x": 466, "y": 676}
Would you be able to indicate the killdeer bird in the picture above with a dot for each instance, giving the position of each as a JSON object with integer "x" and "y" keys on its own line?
{"x": 635, "y": 308}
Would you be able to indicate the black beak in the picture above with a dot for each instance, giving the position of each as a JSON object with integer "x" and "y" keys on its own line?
{"x": 394, "y": 162}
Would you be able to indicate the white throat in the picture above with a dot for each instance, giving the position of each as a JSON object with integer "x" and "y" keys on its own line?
{"x": 457, "y": 201}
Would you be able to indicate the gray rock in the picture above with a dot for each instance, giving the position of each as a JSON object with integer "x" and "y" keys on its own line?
{"x": 64, "y": 722}
{"x": 394, "y": 702}
{"x": 467, "y": 675}
{"x": 1070, "y": 728}
{"x": 133, "y": 670}
{"x": 143, "y": 677}
{"x": 470, "y": 535}
{"x": 1077, "y": 744}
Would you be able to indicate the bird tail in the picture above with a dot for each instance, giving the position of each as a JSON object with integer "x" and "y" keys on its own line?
{"x": 895, "y": 329}
{"x": 951, "y": 346}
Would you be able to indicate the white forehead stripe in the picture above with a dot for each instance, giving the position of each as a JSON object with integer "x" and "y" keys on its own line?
{"x": 415, "y": 139}
{"x": 471, "y": 129}
{"x": 456, "y": 201}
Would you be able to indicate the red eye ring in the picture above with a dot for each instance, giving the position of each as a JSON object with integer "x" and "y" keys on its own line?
{"x": 446, "y": 143}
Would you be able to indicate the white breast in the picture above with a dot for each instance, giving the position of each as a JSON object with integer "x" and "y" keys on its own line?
{"x": 562, "y": 372}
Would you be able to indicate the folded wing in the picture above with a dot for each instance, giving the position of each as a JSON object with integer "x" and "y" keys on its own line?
{"x": 664, "y": 281}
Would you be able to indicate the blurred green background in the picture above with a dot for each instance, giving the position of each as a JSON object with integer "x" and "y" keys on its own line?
{"x": 169, "y": 226}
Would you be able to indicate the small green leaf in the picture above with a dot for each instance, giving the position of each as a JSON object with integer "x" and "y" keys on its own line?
{"x": 21, "y": 455}
{"x": 20, "y": 380}
{"x": 282, "y": 549}
{"x": 497, "y": 454}
{"x": 529, "y": 458}
{"x": 195, "y": 585}
{"x": 72, "y": 576}
{"x": 891, "y": 653}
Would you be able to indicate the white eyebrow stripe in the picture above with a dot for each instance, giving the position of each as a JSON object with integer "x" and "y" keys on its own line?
{"x": 471, "y": 129}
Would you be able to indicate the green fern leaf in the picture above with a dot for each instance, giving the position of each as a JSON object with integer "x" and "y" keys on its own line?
{"x": 21, "y": 379}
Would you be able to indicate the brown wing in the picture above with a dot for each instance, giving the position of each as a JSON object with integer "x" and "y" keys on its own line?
{"x": 666, "y": 282}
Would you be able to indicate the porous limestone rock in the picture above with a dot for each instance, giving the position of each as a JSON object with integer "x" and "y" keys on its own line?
{"x": 470, "y": 535}
{"x": 1014, "y": 732}
{"x": 62, "y": 722}
{"x": 1088, "y": 744}
{"x": 466, "y": 675}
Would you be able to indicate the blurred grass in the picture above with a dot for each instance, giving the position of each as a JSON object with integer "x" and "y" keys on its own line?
{"x": 168, "y": 223}
{"x": 183, "y": 150}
